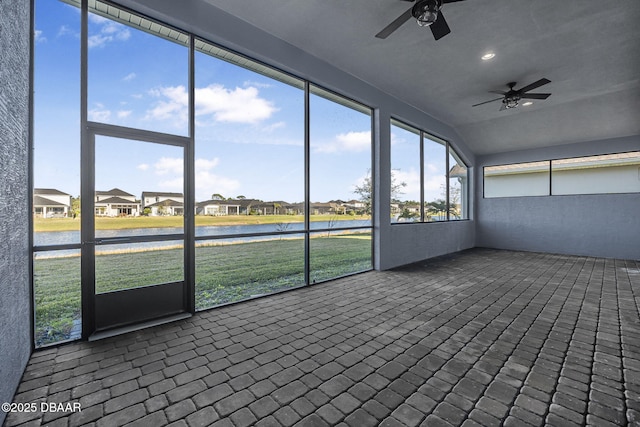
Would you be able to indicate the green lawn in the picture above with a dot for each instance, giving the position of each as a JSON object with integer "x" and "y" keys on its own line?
{"x": 224, "y": 273}
{"x": 120, "y": 223}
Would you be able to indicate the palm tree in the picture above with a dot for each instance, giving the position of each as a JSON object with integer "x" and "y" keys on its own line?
{"x": 437, "y": 207}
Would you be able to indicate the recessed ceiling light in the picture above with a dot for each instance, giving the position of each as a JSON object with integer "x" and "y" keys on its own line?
{"x": 526, "y": 104}
{"x": 487, "y": 56}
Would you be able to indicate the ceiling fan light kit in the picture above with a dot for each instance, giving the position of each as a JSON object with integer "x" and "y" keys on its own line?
{"x": 512, "y": 97}
{"x": 427, "y": 13}
{"x": 511, "y": 101}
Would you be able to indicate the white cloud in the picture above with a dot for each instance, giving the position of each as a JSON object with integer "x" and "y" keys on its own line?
{"x": 411, "y": 191}
{"x": 206, "y": 164}
{"x": 99, "y": 114}
{"x": 129, "y": 77}
{"x": 350, "y": 141}
{"x": 117, "y": 31}
{"x": 395, "y": 139}
{"x": 237, "y": 105}
{"x": 267, "y": 135}
{"x": 355, "y": 141}
{"x": 431, "y": 168}
{"x": 434, "y": 182}
{"x": 260, "y": 85}
{"x": 64, "y": 30}
{"x": 208, "y": 183}
{"x": 171, "y": 169}
{"x": 274, "y": 126}
{"x": 97, "y": 19}
{"x": 38, "y": 37}
{"x": 169, "y": 165}
{"x": 173, "y": 105}
{"x": 172, "y": 184}
{"x": 214, "y": 103}
{"x": 106, "y": 31}
{"x": 98, "y": 40}
{"x": 359, "y": 182}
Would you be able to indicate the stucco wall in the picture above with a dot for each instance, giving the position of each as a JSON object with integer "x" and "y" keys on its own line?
{"x": 604, "y": 225}
{"x": 416, "y": 242}
{"x": 15, "y": 335}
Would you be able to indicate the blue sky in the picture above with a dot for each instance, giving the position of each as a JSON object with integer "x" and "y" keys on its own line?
{"x": 405, "y": 163}
{"x": 249, "y": 133}
{"x": 249, "y": 128}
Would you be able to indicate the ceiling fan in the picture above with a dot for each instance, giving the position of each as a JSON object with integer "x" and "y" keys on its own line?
{"x": 427, "y": 13}
{"x": 512, "y": 97}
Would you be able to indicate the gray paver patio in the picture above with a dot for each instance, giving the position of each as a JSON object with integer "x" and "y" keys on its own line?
{"x": 478, "y": 338}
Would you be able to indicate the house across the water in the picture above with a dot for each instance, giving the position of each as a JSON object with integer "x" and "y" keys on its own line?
{"x": 116, "y": 202}
{"x": 51, "y": 203}
{"x": 162, "y": 203}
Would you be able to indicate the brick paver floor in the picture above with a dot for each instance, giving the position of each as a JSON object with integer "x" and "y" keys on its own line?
{"x": 478, "y": 338}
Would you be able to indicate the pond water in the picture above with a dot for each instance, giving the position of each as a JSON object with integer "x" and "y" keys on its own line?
{"x": 69, "y": 237}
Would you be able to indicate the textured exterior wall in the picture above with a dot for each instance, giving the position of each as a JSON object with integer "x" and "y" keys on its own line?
{"x": 416, "y": 242}
{"x": 15, "y": 300}
{"x": 602, "y": 225}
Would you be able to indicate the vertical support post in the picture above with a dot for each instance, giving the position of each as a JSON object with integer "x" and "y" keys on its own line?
{"x": 87, "y": 184}
{"x": 375, "y": 185}
{"x": 551, "y": 177}
{"x": 446, "y": 182}
{"x": 189, "y": 193}
{"x": 307, "y": 184}
{"x": 32, "y": 314}
{"x": 381, "y": 176}
{"x": 422, "y": 215}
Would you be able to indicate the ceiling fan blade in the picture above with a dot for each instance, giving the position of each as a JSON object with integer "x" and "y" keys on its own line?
{"x": 486, "y": 102}
{"x": 504, "y": 107}
{"x": 535, "y": 95}
{"x": 499, "y": 92}
{"x": 534, "y": 85}
{"x": 397, "y": 23}
{"x": 450, "y": 1}
{"x": 440, "y": 27}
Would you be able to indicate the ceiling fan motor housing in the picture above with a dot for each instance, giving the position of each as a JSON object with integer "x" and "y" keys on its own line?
{"x": 512, "y": 97}
{"x": 426, "y": 11}
{"x": 511, "y": 100}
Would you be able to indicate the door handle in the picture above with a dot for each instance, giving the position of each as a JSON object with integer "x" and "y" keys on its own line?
{"x": 93, "y": 242}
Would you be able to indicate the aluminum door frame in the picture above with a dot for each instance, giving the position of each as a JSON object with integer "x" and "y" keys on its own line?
{"x": 117, "y": 309}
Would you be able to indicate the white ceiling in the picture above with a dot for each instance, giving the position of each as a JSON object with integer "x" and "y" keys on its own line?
{"x": 589, "y": 49}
